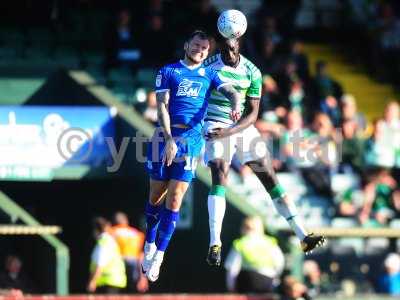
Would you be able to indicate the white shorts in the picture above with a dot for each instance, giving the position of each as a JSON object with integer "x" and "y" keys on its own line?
{"x": 247, "y": 145}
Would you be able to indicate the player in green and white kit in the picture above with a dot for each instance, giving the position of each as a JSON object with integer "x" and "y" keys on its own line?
{"x": 226, "y": 138}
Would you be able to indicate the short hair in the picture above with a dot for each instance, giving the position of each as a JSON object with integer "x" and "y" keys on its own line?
{"x": 120, "y": 218}
{"x": 348, "y": 99}
{"x": 252, "y": 224}
{"x": 199, "y": 33}
{"x": 224, "y": 41}
{"x": 100, "y": 224}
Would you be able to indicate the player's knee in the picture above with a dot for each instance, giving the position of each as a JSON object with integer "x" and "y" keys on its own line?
{"x": 174, "y": 200}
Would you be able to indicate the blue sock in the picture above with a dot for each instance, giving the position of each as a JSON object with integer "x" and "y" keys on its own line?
{"x": 152, "y": 219}
{"x": 167, "y": 226}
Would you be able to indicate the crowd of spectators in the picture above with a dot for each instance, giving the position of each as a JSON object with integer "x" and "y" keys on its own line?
{"x": 149, "y": 33}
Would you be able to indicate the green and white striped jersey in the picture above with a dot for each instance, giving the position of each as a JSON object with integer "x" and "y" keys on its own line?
{"x": 246, "y": 78}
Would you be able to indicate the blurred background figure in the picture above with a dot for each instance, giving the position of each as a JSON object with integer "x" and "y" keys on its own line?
{"x": 295, "y": 152}
{"x": 351, "y": 113}
{"x": 122, "y": 44}
{"x": 322, "y": 155}
{"x": 291, "y": 87}
{"x": 327, "y": 92}
{"x": 389, "y": 282}
{"x": 349, "y": 203}
{"x": 205, "y": 16}
{"x": 156, "y": 43}
{"x": 392, "y": 117}
{"x": 314, "y": 280}
{"x": 391, "y": 127}
{"x": 379, "y": 148}
{"x": 130, "y": 241}
{"x": 268, "y": 59}
{"x": 14, "y": 293}
{"x": 150, "y": 112}
{"x": 107, "y": 269}
{"x": 292, "y": 289}
{"x": 379, "y": 202}
{"x": 296, "y": 53}
{"x": 255, "y": 260}
{"x": 13, "y": 277}
{"x": 352, "y": 148}
{"x": 267, "y": 28}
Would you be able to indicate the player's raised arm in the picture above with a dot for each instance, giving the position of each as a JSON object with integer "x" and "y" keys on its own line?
{"x": 244, "y": 122}
{"x": 165, "y": 124}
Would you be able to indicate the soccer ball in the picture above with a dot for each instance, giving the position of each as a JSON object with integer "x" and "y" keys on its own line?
{"x": 232, "y": 23}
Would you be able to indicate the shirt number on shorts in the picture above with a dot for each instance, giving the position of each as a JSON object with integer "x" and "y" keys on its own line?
{"x": 190, "y": 163}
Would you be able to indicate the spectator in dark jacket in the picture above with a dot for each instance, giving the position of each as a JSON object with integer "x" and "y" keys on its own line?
{"x": 122, "y": 44}
{"x": 13, "y": 278}
{"x": 327, "y": 93}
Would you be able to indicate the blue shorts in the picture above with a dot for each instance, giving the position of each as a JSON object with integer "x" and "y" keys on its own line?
{"x": 190, "y": 143}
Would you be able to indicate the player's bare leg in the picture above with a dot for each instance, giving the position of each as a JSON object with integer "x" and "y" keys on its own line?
{"x": 283, "y": 204}
{"x": 169, "y": 217}
{"x": 158, "y": 189}
{"x": 216, "y": 209}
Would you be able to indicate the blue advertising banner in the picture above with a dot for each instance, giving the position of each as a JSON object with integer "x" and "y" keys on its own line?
{"x": 34, "y": 140}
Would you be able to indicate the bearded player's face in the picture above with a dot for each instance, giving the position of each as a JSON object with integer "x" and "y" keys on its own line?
{"x": 197, "y": 49}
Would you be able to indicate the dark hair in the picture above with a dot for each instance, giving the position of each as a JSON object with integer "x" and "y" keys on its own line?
{"x": 199, "y": 33}
{"x": 100, "y": 223}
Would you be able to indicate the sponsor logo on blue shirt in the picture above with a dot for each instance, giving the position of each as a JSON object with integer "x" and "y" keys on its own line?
{"x": 189, "y": 88}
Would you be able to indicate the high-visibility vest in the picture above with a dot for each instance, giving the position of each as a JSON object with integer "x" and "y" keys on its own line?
{"x": 129, "y": 239}
{"x": 113, "y": 273}
{"x": 255, "y": 250}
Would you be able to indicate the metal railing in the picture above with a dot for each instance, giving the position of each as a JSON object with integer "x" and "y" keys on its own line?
{"x": 16, "y": 212}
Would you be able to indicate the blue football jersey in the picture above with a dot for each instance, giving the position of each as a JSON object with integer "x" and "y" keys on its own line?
{"x": 189, "y": 90}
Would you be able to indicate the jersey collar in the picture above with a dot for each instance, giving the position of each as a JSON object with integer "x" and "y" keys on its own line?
{"x": 189, "y": 67}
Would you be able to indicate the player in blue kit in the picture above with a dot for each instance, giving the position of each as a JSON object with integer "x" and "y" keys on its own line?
{"x": 182, "y": 90}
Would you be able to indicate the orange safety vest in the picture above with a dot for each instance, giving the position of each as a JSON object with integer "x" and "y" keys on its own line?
{"x": 130, "y": 241}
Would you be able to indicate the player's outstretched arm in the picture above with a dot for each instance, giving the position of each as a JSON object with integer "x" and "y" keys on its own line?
{"x": 244, "y": 122}
{"x": 250, "y": 118}
{"x": 230, "y": 92}
{"x": 165, "y": 123}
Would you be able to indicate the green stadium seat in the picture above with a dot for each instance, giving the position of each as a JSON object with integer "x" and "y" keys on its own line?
{"x": 146, "y": 77}
{"x": 293, "y": 183}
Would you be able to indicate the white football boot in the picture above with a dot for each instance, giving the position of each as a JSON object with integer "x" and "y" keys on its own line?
{"x": 154, "y": 270}
{"x": 149, "y": 250}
